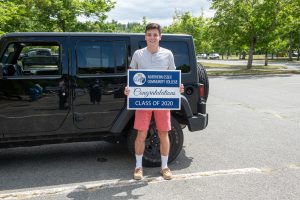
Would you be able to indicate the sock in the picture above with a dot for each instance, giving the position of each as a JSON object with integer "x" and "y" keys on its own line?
{"x": 164, "y": 162}
{"x": 139, "y": 159}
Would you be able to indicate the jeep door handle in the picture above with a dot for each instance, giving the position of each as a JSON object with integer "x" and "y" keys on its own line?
{"x": 79, "y": 117}
{"x": 79, "y": 92}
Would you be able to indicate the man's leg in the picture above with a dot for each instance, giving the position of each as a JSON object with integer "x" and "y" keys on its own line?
{"x": 164, "y": 142}
{"x": 141, "y": 123}
{"x": 164, "y": 147}
{"x": 139, "y": 147}
{"x": 140, "y": 142}
{"x": 163, "y": 124}
{"x": 164, "y": 151}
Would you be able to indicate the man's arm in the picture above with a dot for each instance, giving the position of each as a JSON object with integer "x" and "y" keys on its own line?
{"x": 172, "y": 65}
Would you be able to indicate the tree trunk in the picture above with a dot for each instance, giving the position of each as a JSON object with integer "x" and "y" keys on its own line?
{"x": 251, "y": 50}
{"x": 291, "y": 47}
{"x": 266, "y": 58}
{"x": 244, "y": 55}
{"x": 227, "y": 54}
{"x": 62, "y": 25}
{"x": 272, "y": 56}
{"x": 298, "y": 54}
{"x": 240, "y": 56}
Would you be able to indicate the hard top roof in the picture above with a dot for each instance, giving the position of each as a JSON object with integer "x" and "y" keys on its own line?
{"x": 64, "y": 34}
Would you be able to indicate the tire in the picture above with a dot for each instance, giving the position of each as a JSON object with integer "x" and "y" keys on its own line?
{"x": 151, "y": 156}
{"x": 203, "y": 78}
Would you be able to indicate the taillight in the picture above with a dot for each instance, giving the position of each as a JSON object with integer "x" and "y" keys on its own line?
{"x": 201, "y": 90}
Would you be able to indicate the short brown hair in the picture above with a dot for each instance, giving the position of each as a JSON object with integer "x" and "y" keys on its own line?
{"x": 153, "y": 26}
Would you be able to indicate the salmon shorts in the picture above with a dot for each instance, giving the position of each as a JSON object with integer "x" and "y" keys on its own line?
{"x": 143, "y": 118}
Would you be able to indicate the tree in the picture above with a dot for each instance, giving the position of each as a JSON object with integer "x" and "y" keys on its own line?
{"x": 13, "y": 17}
{"x": 272, "y": 40}
{"x": 297, "y": 43}
{"x": 291, "y": 24}
{"x": 251, "y": 20}
{"x": 136, "y": 27}
{"x": 54, "y": 15}
{"x": 130, "y": 27}
{"x": 187, "y": 24}
{"x": 220, "y": 42}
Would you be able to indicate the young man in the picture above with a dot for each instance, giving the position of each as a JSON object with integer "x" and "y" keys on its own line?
{"x": 156, "y": 58}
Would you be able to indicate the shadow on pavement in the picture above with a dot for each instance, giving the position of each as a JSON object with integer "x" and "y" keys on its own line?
{"x": 54, "y": 165}
{"x": 107, "y": 193}
{"x": 50, "y": 165}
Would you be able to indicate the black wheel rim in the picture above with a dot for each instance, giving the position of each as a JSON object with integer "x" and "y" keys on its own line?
{"x": 152, "y": 144}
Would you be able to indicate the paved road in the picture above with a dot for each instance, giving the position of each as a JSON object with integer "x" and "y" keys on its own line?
{"x": 294, "y": 65}
{"x": 250, "y": 150}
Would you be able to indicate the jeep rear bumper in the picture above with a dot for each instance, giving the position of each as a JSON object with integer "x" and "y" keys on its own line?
{"x": 197, "y": 122}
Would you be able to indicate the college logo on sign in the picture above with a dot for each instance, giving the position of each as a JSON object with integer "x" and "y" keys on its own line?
{"x": 139, "y": 79}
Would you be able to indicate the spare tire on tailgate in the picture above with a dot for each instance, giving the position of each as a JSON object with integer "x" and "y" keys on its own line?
{"x": 203, "y": 78}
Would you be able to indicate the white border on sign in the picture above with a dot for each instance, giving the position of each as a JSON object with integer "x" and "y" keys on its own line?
{"x": 130, "y": 88}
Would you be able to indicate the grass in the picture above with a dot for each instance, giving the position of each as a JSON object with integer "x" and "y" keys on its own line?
{"x": 251, "y": 72}
{"x": 224, "y": 66}
{"x": 218, "y": 66}
{"x": 259, "y": 57}
{"x": 216, "y": 69}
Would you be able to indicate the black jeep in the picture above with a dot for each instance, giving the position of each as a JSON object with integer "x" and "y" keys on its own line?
{"x": 73, "y": 91}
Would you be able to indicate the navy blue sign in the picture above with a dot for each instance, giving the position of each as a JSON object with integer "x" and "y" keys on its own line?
{"x": 155, "y": 90}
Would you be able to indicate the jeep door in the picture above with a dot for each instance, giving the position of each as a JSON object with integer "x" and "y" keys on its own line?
{"x": 99, "y": 66}
{"x": 33, "y": 90}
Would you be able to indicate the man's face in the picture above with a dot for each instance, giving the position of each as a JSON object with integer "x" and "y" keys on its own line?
{"x": 152, "y": 37}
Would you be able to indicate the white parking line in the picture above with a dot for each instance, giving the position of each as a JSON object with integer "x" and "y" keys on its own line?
{"x": 96, "y": 185}
{"x": 85, "y": 186}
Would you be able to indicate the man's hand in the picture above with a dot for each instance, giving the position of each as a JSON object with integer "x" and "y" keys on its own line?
{"x": 126, "y": 91}
{"x": 181, "y": 88}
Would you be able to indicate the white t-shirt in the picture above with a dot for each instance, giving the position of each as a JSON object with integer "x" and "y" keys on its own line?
{"x": 161, "y": 60}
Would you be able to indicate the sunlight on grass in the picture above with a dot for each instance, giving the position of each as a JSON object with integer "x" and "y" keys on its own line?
{"x": 251, "y": 72}
{"x": 258, "y": 57}
{"x": 224, "y": 66}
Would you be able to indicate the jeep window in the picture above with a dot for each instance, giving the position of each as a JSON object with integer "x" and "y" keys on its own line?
{"x": 180, "y": 52}
{"x": 30, "y": 59}
{"x": 101, "y": 57}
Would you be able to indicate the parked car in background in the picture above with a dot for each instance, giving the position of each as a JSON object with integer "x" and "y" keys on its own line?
{"x": 294, "y": 54}
{"x": 202, "y": 56}
{"x": 39, "y": 52}
{"x": 213, "y": 56}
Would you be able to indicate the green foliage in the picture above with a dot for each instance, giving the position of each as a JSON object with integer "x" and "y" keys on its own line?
{"x": 13, "y": 17}
{"x": 237, "y": 27}
{"x": 133, "y": 27}
{"x": 251, "y": 22}
{"x": 254, "y": 24}
{"x": 185, "y": 23}
{"x": 53, "y": 15}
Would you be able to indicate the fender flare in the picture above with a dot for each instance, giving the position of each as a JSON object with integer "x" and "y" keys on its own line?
{"x": 121, "y": 122}
{"x": 185, "y": 107}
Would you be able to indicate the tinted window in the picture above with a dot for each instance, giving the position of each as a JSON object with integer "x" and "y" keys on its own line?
{"x": 24, "y": 59}
{"x": 101, "y": 57}
{"x": 180, "y": 51}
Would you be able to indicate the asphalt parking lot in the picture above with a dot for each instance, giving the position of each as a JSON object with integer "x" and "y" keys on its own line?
{"x": 250, "y": 150}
